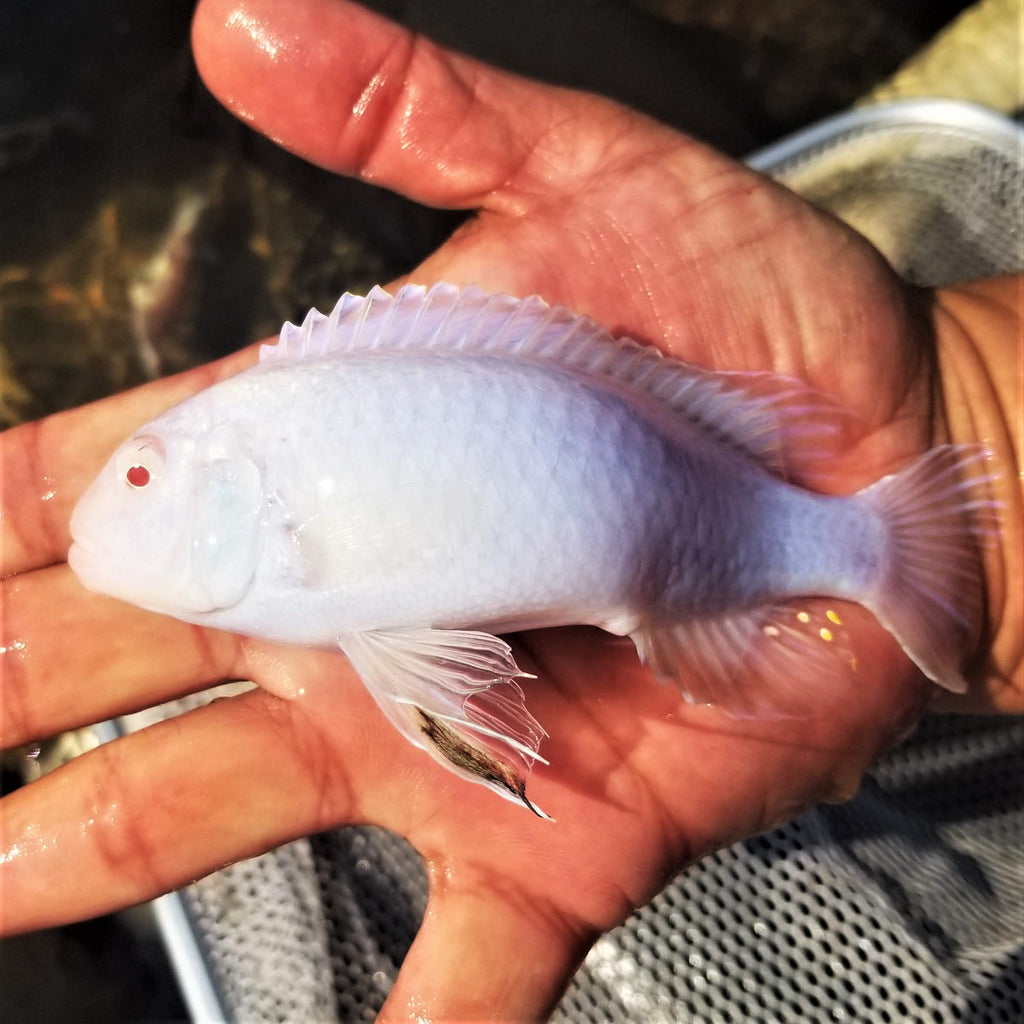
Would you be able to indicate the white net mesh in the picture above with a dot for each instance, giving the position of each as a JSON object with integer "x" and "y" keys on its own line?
{"x": 903, "y": 905}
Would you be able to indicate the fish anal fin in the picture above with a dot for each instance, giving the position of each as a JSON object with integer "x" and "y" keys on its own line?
{"x": 777, "y": 661}
{"x": 454, "y": 694}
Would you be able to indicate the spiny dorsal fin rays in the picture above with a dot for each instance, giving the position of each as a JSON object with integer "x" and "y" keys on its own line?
{"x": 758, "y": 413}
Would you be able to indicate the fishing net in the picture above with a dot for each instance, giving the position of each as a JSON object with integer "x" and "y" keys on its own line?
{"x": 905, "y": 904}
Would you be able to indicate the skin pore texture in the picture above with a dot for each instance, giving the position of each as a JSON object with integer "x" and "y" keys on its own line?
{"x": 653, "y": 235}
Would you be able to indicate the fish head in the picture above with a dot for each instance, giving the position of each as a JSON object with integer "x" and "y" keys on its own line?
{"x": 171, "y": 523}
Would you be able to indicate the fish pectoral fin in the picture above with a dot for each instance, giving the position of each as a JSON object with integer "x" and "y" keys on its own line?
{"x": 454, "y": 694}
{"x": 772, "y": 662}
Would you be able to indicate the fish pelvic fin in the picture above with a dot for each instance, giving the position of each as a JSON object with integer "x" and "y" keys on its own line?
{"x": 929, "y": 592}
{"x": 454, "y": 694}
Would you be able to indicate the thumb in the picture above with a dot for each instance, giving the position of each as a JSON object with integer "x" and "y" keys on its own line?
{"x": 485, "y": 955}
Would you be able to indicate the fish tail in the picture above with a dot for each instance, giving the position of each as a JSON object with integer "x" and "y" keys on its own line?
{"x": 928, "y": 593}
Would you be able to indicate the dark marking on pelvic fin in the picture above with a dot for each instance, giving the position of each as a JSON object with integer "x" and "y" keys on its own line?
{"x": 473, "y": 759}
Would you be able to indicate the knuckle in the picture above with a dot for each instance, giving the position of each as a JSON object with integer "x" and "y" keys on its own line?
{"x": 124, "y": 823}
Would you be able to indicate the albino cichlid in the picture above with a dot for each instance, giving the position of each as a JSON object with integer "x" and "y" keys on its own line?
{"x": 412, "y": 475}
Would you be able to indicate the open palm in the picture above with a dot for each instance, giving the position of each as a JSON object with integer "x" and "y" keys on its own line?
{"x": 591, "y": 206}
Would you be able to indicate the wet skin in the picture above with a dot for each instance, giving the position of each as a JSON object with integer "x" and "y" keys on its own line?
{"x": 651, "y": 234}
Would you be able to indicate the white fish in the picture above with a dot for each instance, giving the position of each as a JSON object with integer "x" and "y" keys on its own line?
{"x": 414, "y": 474}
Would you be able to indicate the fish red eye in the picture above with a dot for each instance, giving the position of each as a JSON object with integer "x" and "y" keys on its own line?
{"x": 140, "y": 461}
{"x": 137, "y": 476}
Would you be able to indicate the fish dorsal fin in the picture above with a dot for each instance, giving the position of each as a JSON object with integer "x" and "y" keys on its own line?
{"x": 758, "y": 413}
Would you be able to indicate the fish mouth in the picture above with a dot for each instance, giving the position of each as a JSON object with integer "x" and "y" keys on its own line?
{"x": 85, "y": 565}
{"x": 93, "y": 570}
{"x": 91, "y": 562}
{"x": 78, "y": 556}
{"x": 91, "y": 567}
{"x": 75, "y": 558}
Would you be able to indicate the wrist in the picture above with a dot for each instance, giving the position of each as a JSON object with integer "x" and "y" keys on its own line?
{"x": 978, "y": 345}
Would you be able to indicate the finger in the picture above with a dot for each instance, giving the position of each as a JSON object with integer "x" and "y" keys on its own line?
{"x": 646, "y": 230}
{"x": 45, "y": 465}
{"x": 485, "y": 952}
{"x": 70, "y": 658}
{"x": 375, "y": 100}
{"x": 147, "y": 813}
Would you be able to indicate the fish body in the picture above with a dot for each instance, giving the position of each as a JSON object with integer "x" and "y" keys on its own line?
{"x": 415, "y": 474}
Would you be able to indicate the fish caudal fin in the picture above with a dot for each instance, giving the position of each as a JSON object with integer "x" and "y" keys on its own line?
{"x": 929, "y": 593}
{"x": 454, "y": 694}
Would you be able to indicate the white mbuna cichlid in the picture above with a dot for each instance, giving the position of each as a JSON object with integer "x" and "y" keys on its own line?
{"x": 413, "y": 474}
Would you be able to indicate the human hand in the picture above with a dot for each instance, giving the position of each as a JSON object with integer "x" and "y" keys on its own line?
{"x": 650, "y": 234}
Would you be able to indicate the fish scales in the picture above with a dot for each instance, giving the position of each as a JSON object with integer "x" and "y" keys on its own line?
{"x": 413, "y": 474}
{"x": 455, "y": 490}
{"x": 462, "y": 489}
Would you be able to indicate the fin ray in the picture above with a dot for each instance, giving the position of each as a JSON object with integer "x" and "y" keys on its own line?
{"x": 930, "y": 596}
{"x": 767, "y": 662}
{"x": 454, "y": 694}
{"x": 760, "y": 414}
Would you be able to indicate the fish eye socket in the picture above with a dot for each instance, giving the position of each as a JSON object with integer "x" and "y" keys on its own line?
{"x": 140, "y": 461}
